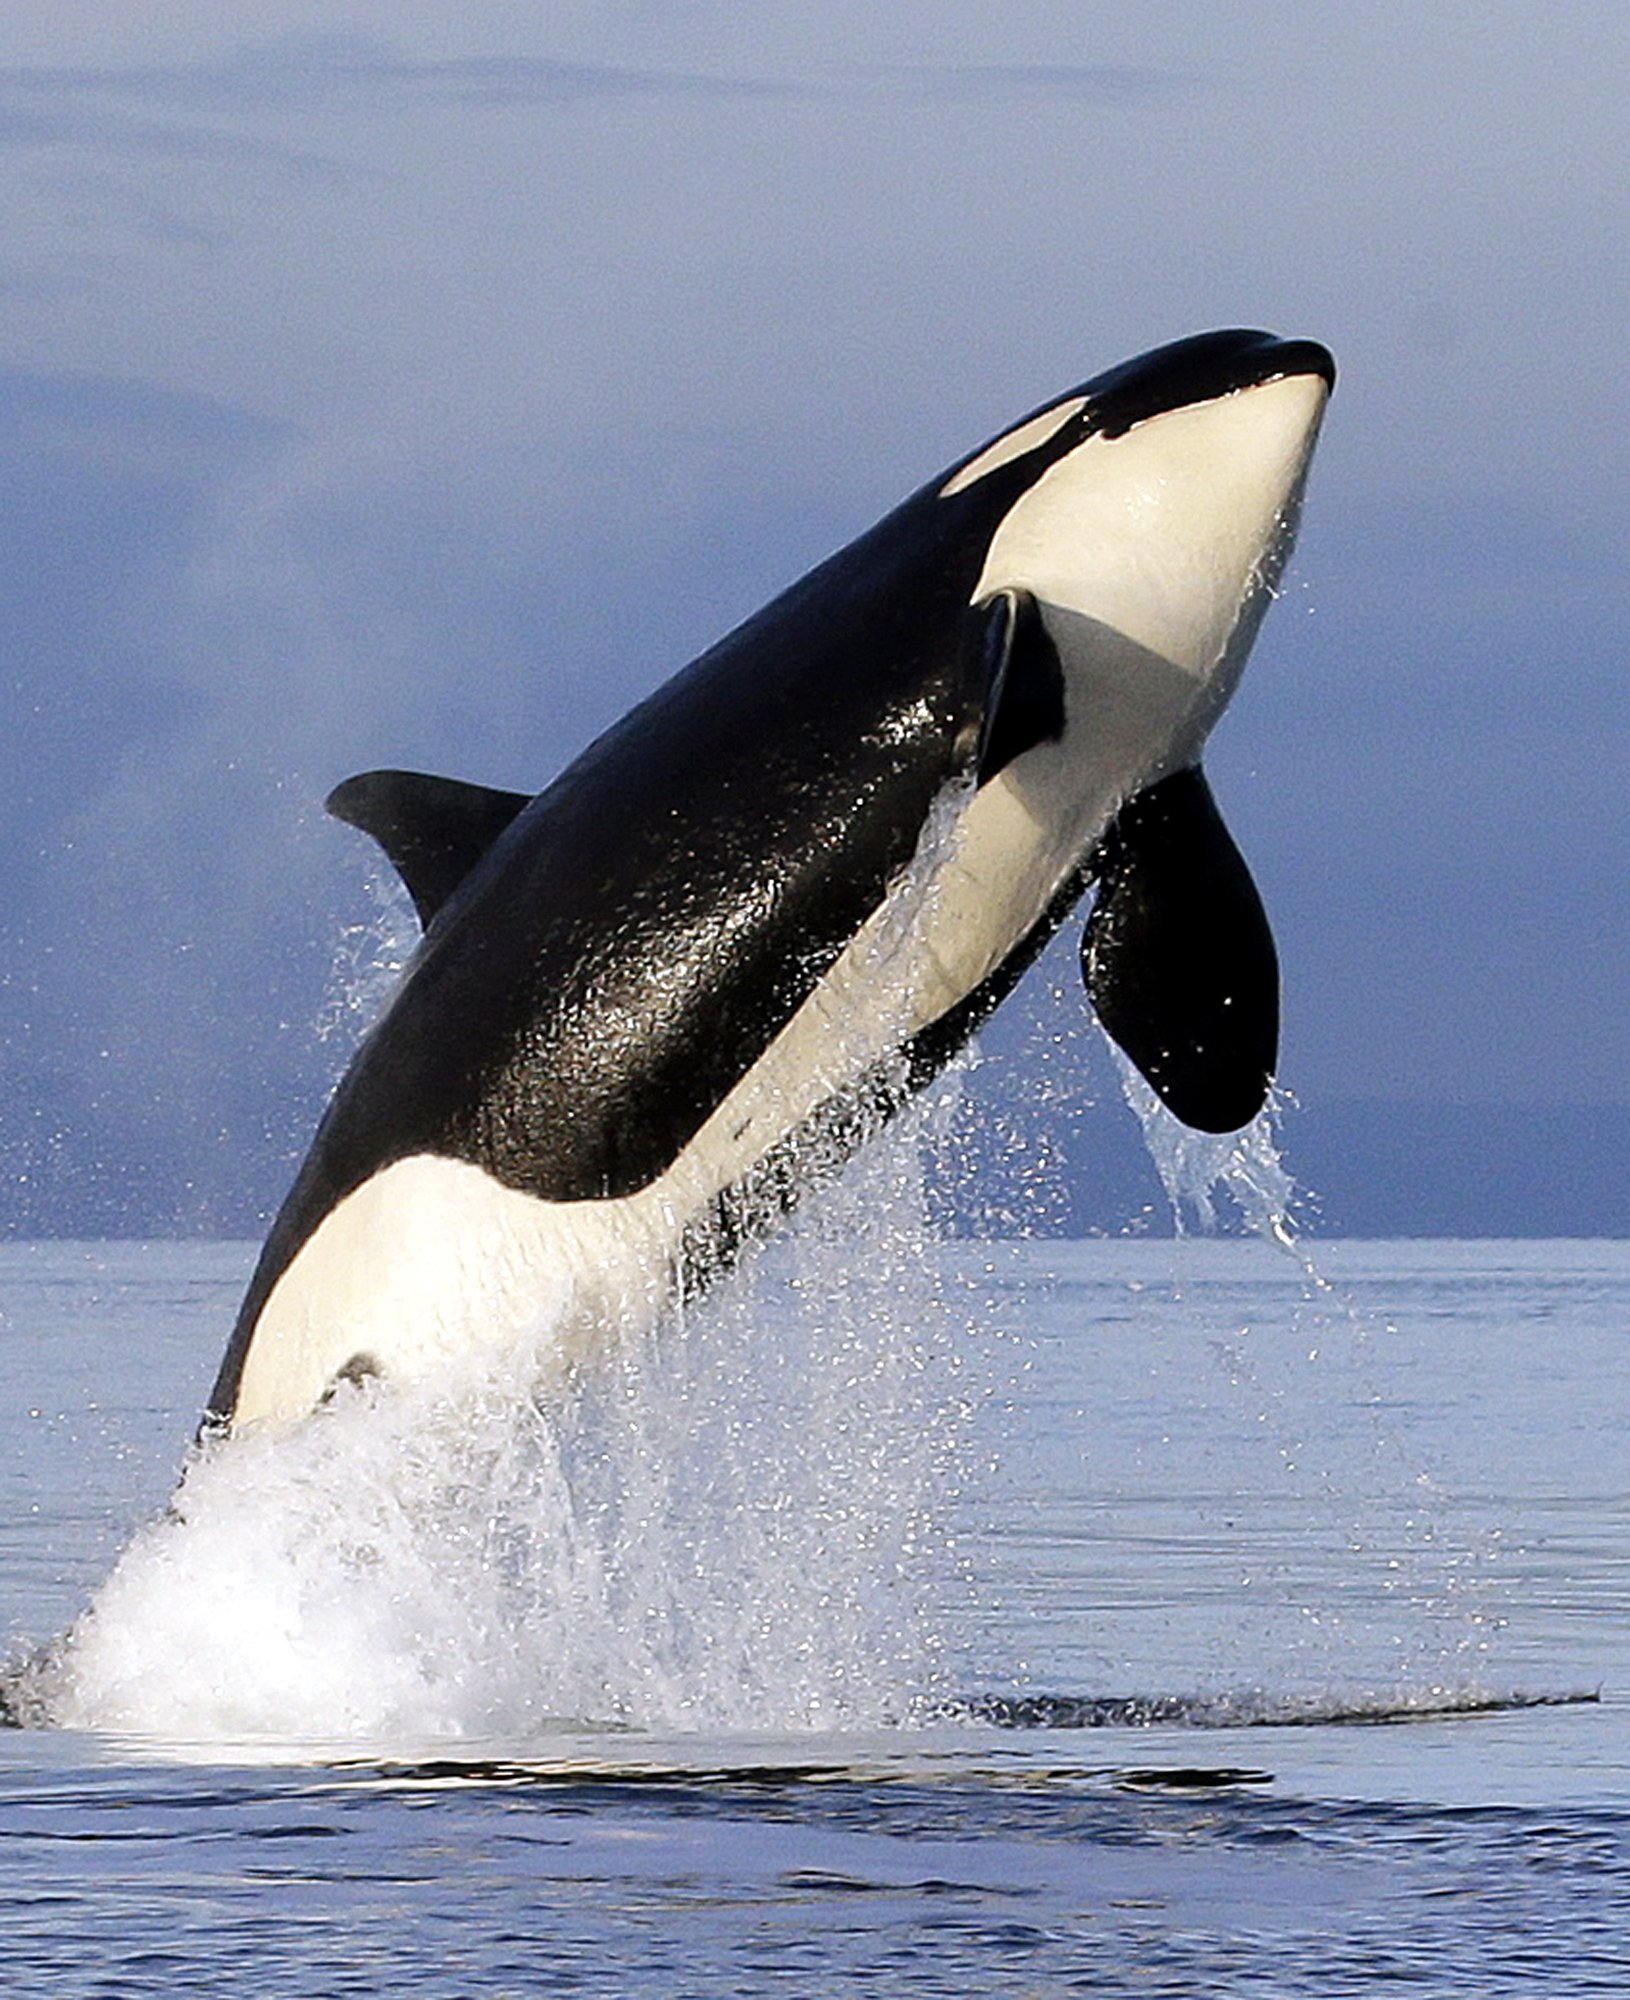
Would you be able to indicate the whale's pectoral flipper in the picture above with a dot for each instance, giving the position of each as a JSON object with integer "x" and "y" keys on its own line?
{"x": 1179, "y": 959}
{"x": 433, "y": 830}
{"x": 1026, "y": 705}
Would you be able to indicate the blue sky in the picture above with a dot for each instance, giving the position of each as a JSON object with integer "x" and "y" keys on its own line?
{"x": 420, "y": 385}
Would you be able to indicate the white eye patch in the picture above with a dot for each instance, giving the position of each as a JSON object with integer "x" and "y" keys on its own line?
{"x": 1034, "y": 431}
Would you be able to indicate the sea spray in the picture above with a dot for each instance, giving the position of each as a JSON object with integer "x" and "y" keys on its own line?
{"x": 371, "y": 951}
{"x": 723, "y": 1515}
{"x": 1195, "y": 1168}
{"x": 728, "y": 1521}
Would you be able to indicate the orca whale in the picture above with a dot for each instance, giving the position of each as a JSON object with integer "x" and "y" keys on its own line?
{"x": 655, "y": 1001}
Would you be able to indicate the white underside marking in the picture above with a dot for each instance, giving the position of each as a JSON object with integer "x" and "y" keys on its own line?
{"x": 1142, "y": 551}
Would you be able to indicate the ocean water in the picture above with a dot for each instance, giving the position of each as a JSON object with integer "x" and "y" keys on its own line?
{"x": 1126, "y": 1616}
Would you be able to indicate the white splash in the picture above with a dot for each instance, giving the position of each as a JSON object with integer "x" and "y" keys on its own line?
{"x": 729, "y": 1525}
{"x": 1195, "y": 1167}
{"x": 370, "y": 956}
{"x": 723, "y": 1520}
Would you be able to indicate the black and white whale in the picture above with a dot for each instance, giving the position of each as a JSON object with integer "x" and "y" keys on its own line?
{"x": 655, "y": 1000}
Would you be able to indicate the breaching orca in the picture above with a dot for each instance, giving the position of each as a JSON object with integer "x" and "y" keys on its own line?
{"x": 654, "y": 1001}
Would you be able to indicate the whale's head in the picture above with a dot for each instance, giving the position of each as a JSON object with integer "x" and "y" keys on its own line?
{"x": 1149, "y": 513}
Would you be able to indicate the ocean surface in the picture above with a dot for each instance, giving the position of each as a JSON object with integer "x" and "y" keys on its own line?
{"x": 1128, "y": 1616}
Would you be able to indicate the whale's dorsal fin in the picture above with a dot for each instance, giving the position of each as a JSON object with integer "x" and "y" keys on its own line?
{"x": 1179, "y": 959}
{"x": 433, "y": 830}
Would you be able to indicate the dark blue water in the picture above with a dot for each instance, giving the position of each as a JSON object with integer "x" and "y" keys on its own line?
{"x": 454, "y": 1881}
{"x": 1224, "y": 1659}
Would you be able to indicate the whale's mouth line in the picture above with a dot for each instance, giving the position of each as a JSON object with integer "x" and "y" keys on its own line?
{"x": 1204, "y": 369}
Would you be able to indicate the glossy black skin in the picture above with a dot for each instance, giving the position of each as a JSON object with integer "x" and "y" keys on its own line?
{"x": 635, "y": 939}
{"x": 1179, "y": 957}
